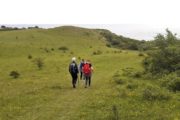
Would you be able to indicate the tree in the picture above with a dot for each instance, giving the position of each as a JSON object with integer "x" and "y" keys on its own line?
{"x": 160, "y": 41}
{"x": 3, "y": 27}
{"x": 170, "y": 37}
{"x": 166, "y": 59}
{"x": 36, "y": 27}
{"x": 163, "y": 61}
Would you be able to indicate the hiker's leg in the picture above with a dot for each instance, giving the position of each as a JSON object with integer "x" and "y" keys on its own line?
{"x": 74, "y": 80}
{"x": 86, "y": 81}
{"x": 89, "y": 80}
{"x": 81, "y": 75}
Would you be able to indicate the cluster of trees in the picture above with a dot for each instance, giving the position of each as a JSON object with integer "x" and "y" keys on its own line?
{"x": 5, "y": 28}
{"x": 160, "y": 41}
{"x": 163, "y": 52}
{"x": 165, "y": 58}
{"x": 120, "y": 41}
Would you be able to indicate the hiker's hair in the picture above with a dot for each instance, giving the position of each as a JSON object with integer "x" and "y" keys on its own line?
{"x": 74, "y": 59}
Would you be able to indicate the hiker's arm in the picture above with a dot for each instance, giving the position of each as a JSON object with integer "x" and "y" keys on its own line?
{"x": 92, "y": 69}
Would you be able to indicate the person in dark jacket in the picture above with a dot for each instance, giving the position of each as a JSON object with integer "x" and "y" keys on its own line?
{"x": 73, "y": 70}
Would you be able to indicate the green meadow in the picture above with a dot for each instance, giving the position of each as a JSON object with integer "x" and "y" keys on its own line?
{"x": 118, "y": 91}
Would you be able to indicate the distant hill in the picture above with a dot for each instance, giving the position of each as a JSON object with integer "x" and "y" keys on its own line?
{"x": 112, "y": 39}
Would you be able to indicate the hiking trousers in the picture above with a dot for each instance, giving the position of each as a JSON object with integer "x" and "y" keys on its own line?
{"x": 81, "y": 74}
{"x": 87, "y": 80}
{"x": 74, "y": 79}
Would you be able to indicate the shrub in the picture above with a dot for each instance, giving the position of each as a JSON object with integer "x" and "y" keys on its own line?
{"x": 137, "y": 74}
{"x": 163, "y": 61}
{"x": 29, "y": 56}
{"x": 108, "y": 45}
{"x": 152, "y": 93}
{"x": 63, "y": 48}
{"x": 132, "y": 86}
{"x": 14, "y": 74}
{"x": 71, "y": 53}
{"x": 127, "y": 71}
{"x": 171, "y": 81}
{"x": 141, "y": 54}
{"x": 46, "y": 50}
{"x": 39, "y": 63}
{"x": 98, "y": 52}
{"x": 119, "y": 80}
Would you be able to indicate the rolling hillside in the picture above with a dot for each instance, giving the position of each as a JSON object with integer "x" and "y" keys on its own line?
{"x": 47, "y": 93}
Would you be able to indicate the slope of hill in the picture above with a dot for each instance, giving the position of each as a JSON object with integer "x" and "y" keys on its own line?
{"x": 47, "y": 93}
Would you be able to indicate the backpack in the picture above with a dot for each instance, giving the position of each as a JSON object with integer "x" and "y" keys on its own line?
{"x": 73, "y": 67}
{"x": 81, "y": 65}
{"x": 86, "y": 69}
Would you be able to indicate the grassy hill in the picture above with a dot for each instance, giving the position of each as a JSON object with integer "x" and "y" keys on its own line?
{"x": 117, "y": 91}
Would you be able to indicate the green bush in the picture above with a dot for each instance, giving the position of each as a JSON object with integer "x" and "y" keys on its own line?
{"x": 165, "y": 58}
{"x": 14, "y": 74}
{"x": 163, "y": 61}
{"x": 63, "y": 48}
{"x": 119, "y": 80}
{"x": 171, "y": 81}
{"x": 46, "y": 50}
{"x": 137, "y": 74}
{"x": 39, "y": 63}
{"x": 29, "y": 56}
{"x": 71, "y": 52}
{"x": 132, "y": 86}
{"x": 152, "y": 93}
{"x": 108, "y": 45}
{"x": 140, "y": 54}
{"x": 131, "y": 73}
{"x": 128, "y": 71}
{"x": 98, "y": 52}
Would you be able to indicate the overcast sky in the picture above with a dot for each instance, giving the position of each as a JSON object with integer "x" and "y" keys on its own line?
{"x": 140, "y": 19}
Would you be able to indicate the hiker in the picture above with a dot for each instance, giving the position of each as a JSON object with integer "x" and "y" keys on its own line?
{"x": 80, "y": 69}
{"x": 87, "y": 71}
{"x": 73, "y": 70}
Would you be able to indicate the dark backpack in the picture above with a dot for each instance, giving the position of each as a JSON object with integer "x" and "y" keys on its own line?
{"x": 73, "y": 67}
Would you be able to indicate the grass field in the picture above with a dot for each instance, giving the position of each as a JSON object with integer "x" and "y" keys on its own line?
{"x": 47, "y": 94}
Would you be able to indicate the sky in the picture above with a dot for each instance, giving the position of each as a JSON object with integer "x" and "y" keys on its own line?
{"x": 139, "y": 19}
